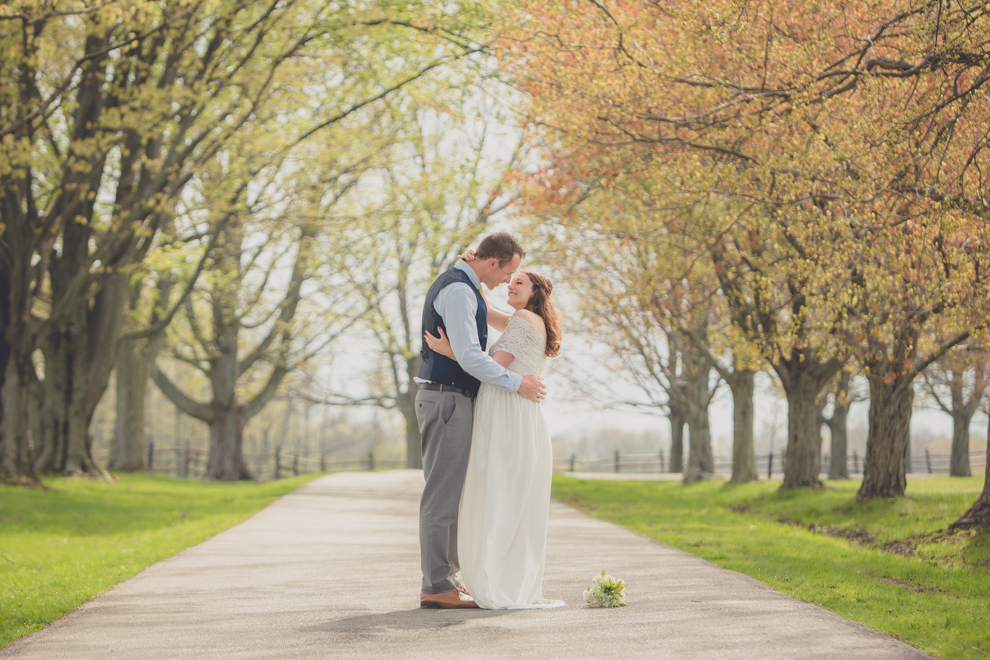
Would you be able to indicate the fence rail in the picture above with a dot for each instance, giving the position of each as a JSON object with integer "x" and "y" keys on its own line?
{"x": 767, "y": 465}
{"x": 191, "y": 462}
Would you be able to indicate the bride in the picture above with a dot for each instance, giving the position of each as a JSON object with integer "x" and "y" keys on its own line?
{"x": 502, "y": 523}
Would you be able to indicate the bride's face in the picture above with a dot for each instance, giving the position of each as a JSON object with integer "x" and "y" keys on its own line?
{"x": 520, "y": 291}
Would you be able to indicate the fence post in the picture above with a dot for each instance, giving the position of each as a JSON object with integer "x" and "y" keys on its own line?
{"x": 295, "y": 465}
{"x": 827, "y": 463}
{"x": 855, "y": 462}
{"x": 371, "y": 460}
{"x": 278, "y": 460}
{"x": 770, "y": 466}
{"x": 572, "y": 462}
{"x": 323, "y": 462}
{"x": 151, "y": 455}
{"x": 616, "y": 460}
{"x": 928, "y": 460}
{"x": 661, "y": 462}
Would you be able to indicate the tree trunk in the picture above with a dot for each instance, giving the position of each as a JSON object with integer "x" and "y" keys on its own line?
{"x": 80, "y": 351}
{"x": 839, "y": 467}
{"x": 890, "y": 418}
{"x": 18, "y": 380}
{"x": 226, "y": 461}
{"x": 701, "y": 463}
{"x": 907, "y": 448}
{"x": 803, "y": 430}
{"x": 128, "y": 451}
{"x": 979, "y": 513}
{"x": 63, "y": 446}
{"x": 15, "y": 447}
{"x": 4, "y": 350}
{"x": 135, "y": 360}
{"x": 676, "y": 418}
{"x": 959, "y": 463}
{"x": 742, "y": 384}
{"x": 15, "y": 423}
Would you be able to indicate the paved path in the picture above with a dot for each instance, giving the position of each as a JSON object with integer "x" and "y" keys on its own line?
{"x": 332, "y": 571}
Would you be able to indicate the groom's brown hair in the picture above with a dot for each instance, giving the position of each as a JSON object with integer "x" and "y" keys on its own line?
{"x": 502, "y": 246}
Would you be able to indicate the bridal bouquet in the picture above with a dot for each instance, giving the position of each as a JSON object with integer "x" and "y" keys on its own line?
{"x": 606, "y": 591}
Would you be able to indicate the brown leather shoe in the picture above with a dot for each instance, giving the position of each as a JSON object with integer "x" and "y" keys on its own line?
{"x": 447, "y": 600}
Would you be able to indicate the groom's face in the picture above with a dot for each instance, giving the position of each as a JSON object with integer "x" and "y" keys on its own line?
{"x": 502, "y": 275}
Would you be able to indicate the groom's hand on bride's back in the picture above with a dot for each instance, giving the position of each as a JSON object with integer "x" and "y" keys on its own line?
{"x": 532, "y": 388}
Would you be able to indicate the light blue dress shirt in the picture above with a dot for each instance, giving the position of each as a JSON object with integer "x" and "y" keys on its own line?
{"x": 457, "y": 304}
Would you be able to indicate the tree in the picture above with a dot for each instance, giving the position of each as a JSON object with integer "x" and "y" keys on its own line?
{"x": 962, "y": 374}
{"x": 740, "y": 376}
{"x": 979, "y": 513}
{"x": 135, "y": 356}
{"x": 904, "y": 315}
{"x": 616, "y": 261}
{"x": 839, "y": 395}
{"x": 443, "y": 185}
{"x": 107, "y": 113}
{"x": 767, "y": 308}
{"x": 257, "y": 282}
{"x": 763, "y": 109}
{"x": 778, "y": 310}
{"x": 683, "y": 294}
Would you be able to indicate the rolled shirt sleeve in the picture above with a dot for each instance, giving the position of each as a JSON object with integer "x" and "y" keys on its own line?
{"x": 457, "y": 305}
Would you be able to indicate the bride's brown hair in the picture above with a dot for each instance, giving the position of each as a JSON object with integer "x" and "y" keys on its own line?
{"x": 541, "y": 305}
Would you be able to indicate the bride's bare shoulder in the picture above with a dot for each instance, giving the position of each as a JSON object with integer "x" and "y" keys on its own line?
{"x": 533, "y": 319}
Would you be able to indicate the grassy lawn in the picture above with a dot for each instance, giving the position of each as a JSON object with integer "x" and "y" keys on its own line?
{"x": 887, "y": 564}
{"x": 61, "y": 546}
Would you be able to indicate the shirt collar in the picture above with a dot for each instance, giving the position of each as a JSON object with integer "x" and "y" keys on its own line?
{"x": 463, "y": 265}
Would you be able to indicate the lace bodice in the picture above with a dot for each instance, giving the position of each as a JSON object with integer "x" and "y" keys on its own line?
{"x": 527, "y": 345}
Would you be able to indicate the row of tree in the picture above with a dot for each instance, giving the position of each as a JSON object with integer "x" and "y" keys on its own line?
{"x": 207, "y": 194}
{"x": 792, "y": 185}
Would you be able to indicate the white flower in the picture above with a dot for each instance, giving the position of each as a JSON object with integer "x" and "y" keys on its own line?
{"x": 606, "y": 591}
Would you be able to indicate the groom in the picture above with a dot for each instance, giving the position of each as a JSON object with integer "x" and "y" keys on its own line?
{"x": 445, "y": 404}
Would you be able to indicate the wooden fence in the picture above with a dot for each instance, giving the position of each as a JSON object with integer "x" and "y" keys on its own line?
{"x": 768, "y": 465}
{"x": 191, "y": 462}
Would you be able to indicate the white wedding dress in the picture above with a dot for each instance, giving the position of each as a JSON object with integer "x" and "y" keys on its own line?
{"x": 502, "y": 524}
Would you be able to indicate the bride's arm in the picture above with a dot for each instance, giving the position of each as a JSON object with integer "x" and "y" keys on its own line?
{"x": 439, "y": 345}
{"x": 497, "y": 319}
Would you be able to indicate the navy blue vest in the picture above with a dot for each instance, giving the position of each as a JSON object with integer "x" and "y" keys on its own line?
{"x": 439, "y": 368}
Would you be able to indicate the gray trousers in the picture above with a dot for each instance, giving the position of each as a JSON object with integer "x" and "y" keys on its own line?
{"x": 445, "y": 424}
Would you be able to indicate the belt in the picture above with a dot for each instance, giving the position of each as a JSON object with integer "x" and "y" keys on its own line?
{"x": 438, "y": 387}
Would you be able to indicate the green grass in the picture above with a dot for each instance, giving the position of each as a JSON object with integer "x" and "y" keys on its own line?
{"x": 61, "y": 546}
{"x": 886, "y": 564}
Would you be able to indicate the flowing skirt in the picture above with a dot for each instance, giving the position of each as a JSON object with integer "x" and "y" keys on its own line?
{"x": 502, "y": 524}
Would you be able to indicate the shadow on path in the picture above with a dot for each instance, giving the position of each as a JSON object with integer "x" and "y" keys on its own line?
{"x": 417, "y": 619}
